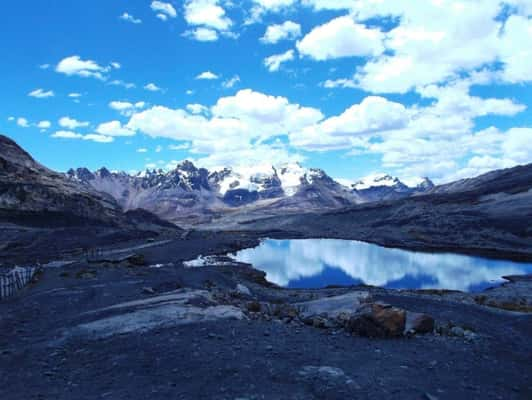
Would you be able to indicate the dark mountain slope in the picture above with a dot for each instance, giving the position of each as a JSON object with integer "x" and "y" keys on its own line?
{"x": 28, "y": 189}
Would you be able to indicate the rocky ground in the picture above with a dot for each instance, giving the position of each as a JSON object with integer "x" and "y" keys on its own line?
{"x": 147, "y": 327}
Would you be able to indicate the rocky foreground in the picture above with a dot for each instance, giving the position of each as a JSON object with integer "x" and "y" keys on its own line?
{"x": 144, "y": 325}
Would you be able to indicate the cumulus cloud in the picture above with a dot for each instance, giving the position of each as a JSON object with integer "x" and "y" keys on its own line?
{"x": 67, "y": 135}
{"x": 234, "y": 129}
{"x": 75, "y": 66}
{"x": 207, "y": 13}
{"x": 341, "y": 37}
{"x": 197, "y": 108}
{"x": 288, "y": 30}
{"x": 202, "y": 34}
{"x": 163, "y": 10}
{"x": 113, "y": 128}
{"x": 207, "y": 75}
{"x": 274, "y": 62}
{"x": 71, "y": 123}
{"x": 23, "y": 122}
{"x": 41, "y": 93}
{"x": 152, "y": 87}
{"x": 261, "y": 7}
{"x": 44, "y": 125}
{"x": 432, "y": 42}
{"x": 125, "y": 107}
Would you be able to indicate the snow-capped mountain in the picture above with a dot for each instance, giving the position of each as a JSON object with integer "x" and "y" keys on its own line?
{"x": 385, "y": 187}
{"x": 188, "y": 194}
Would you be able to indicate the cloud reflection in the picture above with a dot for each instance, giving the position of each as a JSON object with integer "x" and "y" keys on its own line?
{"x": 287, "y": 261}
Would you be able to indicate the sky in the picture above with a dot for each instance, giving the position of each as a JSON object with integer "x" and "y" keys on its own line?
{"x": 437, "y": 88}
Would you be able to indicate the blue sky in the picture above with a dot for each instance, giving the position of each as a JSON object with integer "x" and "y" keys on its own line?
{"x": 438, "y": 89}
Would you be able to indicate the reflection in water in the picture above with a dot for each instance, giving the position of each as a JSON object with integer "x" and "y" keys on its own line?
{"x": 322, "y": 262}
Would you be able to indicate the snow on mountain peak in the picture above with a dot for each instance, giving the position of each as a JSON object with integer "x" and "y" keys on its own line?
{"x": 376, "y": 180}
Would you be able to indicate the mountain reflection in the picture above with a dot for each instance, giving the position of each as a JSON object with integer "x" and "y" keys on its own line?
{"x": 290, "y": 263}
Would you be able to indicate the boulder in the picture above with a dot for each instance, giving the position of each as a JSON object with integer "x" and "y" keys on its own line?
{"x": 378, "y": 320}
{"x": 337, "y": 309}
{"x": 418, "y": 323}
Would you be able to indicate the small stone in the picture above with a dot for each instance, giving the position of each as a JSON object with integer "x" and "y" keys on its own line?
{"x": 469, "y": 335}
{"x": 457, "y": 331}
{"x": 148, "y": 290}
{"x": 253, "y": 306}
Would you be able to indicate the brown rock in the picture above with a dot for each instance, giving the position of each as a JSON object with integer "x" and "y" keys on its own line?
{"x": 377, "y": 320}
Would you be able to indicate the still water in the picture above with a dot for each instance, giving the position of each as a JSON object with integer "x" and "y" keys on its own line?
{"x": 314, "y": 263}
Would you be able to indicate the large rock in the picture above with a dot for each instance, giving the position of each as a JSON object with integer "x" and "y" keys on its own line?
{"x": 377, "y": 320}
{"x": 336, "y": 310}
{"x": 180, "y": 307}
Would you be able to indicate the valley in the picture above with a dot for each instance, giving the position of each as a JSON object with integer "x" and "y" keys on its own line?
{"x": 118, "y": 292}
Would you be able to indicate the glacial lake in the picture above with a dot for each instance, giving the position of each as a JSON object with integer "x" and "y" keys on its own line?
{"x": 316, "y": 263}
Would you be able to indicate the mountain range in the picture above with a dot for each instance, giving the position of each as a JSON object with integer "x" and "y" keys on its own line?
{"x": 488, "y": 214}
{"x": 190, "y": 195}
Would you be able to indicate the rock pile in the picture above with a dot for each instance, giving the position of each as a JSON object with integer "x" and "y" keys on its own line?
{"x": 354, "y": 312}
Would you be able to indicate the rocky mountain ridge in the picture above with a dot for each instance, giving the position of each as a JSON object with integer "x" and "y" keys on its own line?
{"x": 188, "y": 194}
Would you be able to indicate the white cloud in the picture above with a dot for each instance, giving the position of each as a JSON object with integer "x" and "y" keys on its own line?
{"x": 341, "y": 37}
{"x": 178, "y": 147}
{"x": 435, "y": 41}
{"x": 44, "y": 124}
{"x": 354, "y": 127}
{"x": 288, "y": 30}
{"x": 73, "y": 135}
{"x": 142, "y": 150}
{"x": 74, "y": 65}
{"x": 202, "y": 34}
{"x": 130, "y": 18}
{"x": 273, "y": 63}
{"x": 74, "y": 95}
{"x": 207, "y": 13}
{"x": 23, "y": 122}
{"x": 163, "y": 10}
{"x": 114, "y": 128}
{"x": 126, "y": 85}
{"x": 98, "y": 138}
{"x": 125, "y": 107}
{"x": 41, "y": 94}
{"x": 44, "y": 66}
{"x": 234, "y": 130}
{"x": 207, "y": 75}
{"x": 262, "y": 7}
{"x": 231, "y": 82}
{"x": 197, "y": 108}
{"x": 71, "y": 123}
{"x": 67, "y": 135}
{"x": 116, "y": 65}
{"x": 152, "y": 87}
